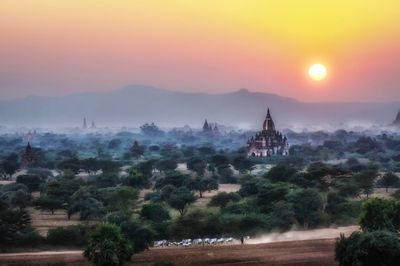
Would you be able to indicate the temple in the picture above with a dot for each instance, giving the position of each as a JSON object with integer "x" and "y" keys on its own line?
{"x": 209, "y": 128}
{"x": 268, "y": 142}
{"x": 396, "y": 122}
{"x": 27, "y": 156}
{"x": 84, "y": 125}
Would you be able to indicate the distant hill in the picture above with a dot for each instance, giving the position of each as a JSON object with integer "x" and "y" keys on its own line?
{"x": 135, "y": 105}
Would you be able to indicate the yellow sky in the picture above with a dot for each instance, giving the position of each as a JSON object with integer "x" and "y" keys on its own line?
{"x": 204, "y": 45}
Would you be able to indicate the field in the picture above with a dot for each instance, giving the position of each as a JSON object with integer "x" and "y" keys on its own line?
{"x": 312, "y": 247}
{"x": 309, "y": 252}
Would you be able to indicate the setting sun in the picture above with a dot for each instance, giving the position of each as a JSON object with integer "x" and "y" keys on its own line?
{"x": 317, "y": 72}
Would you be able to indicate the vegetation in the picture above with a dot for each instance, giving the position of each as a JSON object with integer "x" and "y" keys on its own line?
{"x": 136, "y": 188}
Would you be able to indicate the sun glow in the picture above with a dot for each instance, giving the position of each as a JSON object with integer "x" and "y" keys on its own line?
{"x": 317, "y": 72}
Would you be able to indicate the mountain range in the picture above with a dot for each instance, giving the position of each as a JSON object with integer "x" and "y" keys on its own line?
{"x": 136, "y": 104}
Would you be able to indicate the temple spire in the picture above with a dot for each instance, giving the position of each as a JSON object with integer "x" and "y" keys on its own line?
{"x": 268, "y": 122}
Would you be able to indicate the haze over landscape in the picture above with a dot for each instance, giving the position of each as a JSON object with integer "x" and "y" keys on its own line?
{"x": 136, "y": 105}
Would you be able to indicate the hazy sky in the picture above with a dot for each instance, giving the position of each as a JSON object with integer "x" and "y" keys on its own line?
{"x": 50, "y": 47}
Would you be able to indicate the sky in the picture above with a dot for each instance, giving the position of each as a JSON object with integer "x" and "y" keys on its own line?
{"x": 62, "y": 47}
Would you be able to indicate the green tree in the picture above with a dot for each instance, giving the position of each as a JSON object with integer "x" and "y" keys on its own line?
{"x": 180, "y": 199}
{"x": 243, "y": 164}
{"x": 136, "y": 179}
{"x": 201, "y": 185}
{"x": 223, "y": 198}
{"x": 307, "y": 206}
{"x": 366, "y": 180}
{"x": 380, "y": 214}
{"x": 108, "y": 247}
{"x": 10, "y": 165}
{"x": 33, "y": 182}
{"x": 377, "y": 248}
{"x": 197, "y": 165}
{"x": 155, "y": 212}
{"x": 389, "y": 180}
{"x": 280, "y": 173}
{"x": 166, "y": 165}
{"x": 82, "y": 202}
{"x": 45, "y": 202}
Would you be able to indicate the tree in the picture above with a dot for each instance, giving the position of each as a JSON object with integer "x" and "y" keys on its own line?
{"x": 249, "y": 188}
{"x": 118, "y": 198}
{"x": 272, "y": 193}
{"x": 173, "y": 178}
{"x": 167, "y": 165}
{"x": 151, "y": 130}
{"x": 137, "y": 150}
{"x": 336, "y": 205}
{"x": 203, "y": 184}
{"x": 155, "y": 213}
{"x": 197, "y": 165}
{"x": 307, "y": 206}
{"x": 223, "y": 198}
{"x": 140, "y": 235}
{"x": 180, "y": 199}
{"x": 389, "y": 180}
{"x": 108, "y": 247}
{"x": 45, "y": 202}
{"x": 366, "y": 180}
{"x": 220, "y": 160}
{"x": 243, "y": 164}
{"x": 83, "y": 203}
{"x": 226, "y": 174}
{"x": 12, "y": 223}
{"x": 136, "y": 179}
{"x": 378, "y": 248}
{"x": 10, "y": 165}
{"x": 380, "y": 214}
{"x": 280, "y": 173}
{"x": 347, "y": 187}
{"x": 33, "y": 182}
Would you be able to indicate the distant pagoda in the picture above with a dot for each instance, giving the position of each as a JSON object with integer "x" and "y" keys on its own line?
{"x": 209, "y": 128}
{"x": 268, "y": 142}
{"x": 27, "y": 156}
{"x": 396, "y": 122}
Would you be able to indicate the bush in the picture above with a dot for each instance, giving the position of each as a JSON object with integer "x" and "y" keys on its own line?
{"x": 33, "y": 182}
{"x": 108, "y": 247}
{"x": 68, "y": 236}
{"x": 155, "y": 213}
{"x": 378, "y": 248}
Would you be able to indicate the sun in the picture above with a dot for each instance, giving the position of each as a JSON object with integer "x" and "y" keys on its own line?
{"x": 317, "y": 72}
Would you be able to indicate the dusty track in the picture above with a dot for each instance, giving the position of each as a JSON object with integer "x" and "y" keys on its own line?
{"x": 308, "y": 252}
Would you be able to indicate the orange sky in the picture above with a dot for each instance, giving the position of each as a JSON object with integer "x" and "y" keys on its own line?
{"x": 60, "y": 47}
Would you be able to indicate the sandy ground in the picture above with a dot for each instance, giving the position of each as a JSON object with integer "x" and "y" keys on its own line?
{"x": 42, "y": 221}
{"x": 289, "y": 248}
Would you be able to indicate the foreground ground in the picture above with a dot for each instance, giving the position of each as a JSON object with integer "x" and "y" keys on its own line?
{"x": 308, "y": 252}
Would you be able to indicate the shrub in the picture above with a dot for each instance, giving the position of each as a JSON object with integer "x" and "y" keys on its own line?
{"x": 378, "y": 248}
{"x": 68, "y": 236}
{"x": 108, "y": 247}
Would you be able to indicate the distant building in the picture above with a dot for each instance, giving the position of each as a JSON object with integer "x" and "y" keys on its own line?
{"x": 93, "y": 126}
{"x": 84, "y": 126}
{"x": 268, "y": 142}
{"x": 27, "y": 156}
{"x": 396, "y": 122}
{"x": 210, "y": 128}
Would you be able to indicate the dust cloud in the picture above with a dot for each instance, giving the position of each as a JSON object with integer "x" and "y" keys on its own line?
{"x": 293, "y": 235}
